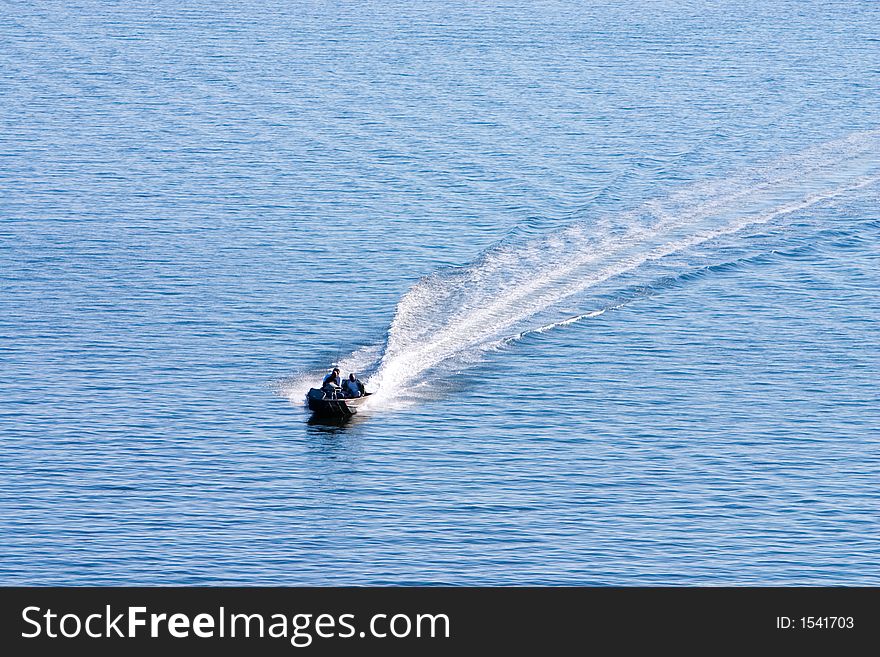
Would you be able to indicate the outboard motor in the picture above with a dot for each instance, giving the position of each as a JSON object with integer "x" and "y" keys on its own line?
{"x": 316, "y": 394}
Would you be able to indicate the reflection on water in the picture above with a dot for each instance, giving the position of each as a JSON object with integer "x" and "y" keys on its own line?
{"x": 329, "y": 423}
{"x": 332, "y": 439}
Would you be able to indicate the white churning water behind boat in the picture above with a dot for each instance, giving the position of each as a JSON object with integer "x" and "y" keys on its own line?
{"x": 450, "y": 318}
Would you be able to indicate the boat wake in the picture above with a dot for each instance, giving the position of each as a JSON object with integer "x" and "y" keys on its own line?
{"x": 525, "y": 284}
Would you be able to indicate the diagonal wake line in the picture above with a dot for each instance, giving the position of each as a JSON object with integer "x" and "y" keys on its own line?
{"x": 470, "y": 333}
{"x": 611, "y": 244}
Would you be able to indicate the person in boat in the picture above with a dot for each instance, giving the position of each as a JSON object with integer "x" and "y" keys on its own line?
{"x": 332, "y": 382}
{"x": 353, "y": 386}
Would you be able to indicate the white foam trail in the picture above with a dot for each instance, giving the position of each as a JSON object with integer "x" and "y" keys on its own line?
{"x": 453, "y": 317}
{"x": 471, "y": 333}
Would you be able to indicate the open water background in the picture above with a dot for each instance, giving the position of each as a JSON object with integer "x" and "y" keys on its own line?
{"x": 612, "y": 268}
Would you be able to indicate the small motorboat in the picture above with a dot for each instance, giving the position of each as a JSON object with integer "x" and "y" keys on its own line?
{"x": 334, "y": 404}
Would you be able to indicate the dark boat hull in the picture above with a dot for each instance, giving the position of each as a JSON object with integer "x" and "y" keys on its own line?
{"x": 321, "y": 404}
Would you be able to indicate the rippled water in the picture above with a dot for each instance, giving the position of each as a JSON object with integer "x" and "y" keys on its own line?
{"x": 612, "y": 271}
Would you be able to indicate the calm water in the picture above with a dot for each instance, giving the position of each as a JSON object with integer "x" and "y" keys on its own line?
{"x": 612, "y": 270}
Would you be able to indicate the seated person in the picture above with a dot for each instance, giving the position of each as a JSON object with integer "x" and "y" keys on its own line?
{"x": 331, "y": 382}
{"x": 353, "y": 386}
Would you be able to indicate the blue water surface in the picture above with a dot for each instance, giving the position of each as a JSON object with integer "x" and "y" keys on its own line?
{"x": 611, "y": 268}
